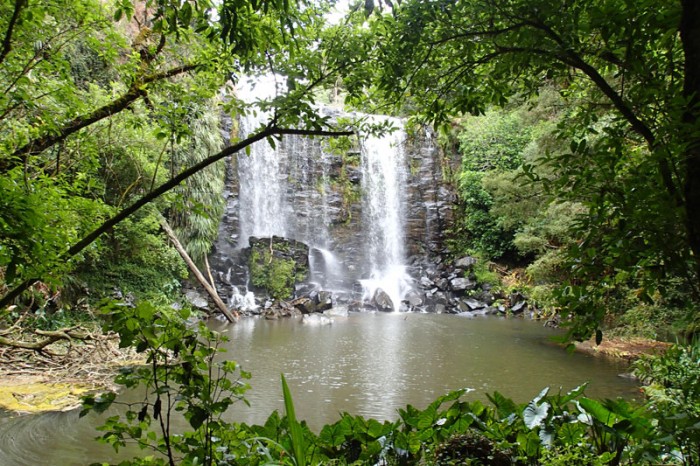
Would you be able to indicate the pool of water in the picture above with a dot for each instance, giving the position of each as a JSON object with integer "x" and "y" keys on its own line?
{"x": 367, "y": 364}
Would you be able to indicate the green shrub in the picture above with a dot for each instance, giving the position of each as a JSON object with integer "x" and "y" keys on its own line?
{"x": 571, "y": 455}
{"x": 672, "y": 386}
{"x": 136, "y": 258}
{"x": 275, "y": 275}
{"x": 470, "y": 449}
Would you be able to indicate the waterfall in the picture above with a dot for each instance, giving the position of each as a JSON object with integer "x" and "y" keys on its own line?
{"x": 261, "y": 173}
{"x": 262, "y": 188}
{"x": 327, "y": 270}
{"x": 384, "y": 176}
{"x": 299, "y": 190}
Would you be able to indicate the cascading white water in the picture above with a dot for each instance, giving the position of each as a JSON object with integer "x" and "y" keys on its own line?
{"x": 262, "y": 187}
{"x": 286, "y": 191}
{"x": 384, "y": 174}
{"x": 261, "y": 172}
{"x": 242, "y": 301}
{"x": 327, "y": 270}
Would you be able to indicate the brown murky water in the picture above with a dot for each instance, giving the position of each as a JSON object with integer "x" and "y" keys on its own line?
{"x": 367, "y": 364}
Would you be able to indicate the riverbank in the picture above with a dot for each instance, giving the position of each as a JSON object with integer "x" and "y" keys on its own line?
{"x": 56, "y": 375}
{"x": 628, "y": 349}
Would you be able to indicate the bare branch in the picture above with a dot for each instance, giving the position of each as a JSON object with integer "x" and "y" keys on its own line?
{"x": 477, "y": 34}
{"x": 52, "y": 336}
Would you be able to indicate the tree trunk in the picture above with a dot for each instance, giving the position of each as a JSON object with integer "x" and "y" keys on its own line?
{"x": 208, "y": 269}
{"x": 690, "y": 36}
{"x": 232, "y": 317}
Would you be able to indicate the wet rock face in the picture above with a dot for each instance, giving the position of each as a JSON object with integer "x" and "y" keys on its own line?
{"x": 322, "y": 193}
{"x": 430, "y": 198}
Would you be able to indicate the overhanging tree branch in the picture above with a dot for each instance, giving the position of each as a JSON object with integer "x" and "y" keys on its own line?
{"x": 269, "y": 131}
{"x": 40, "y": 144}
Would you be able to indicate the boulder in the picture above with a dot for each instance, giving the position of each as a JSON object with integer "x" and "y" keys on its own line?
{"x": 414, "y": 298}
{"x": 473, "y": 304}
{"x": 383, "y": 301}
{"x": 197, "y": 300}
{"x": 519, "y": 307}
{"x": 516, "y": 298}
{"x": 462, "y": 284}
{"x": 466, "y": 262}
{"x": 337, "y": 312}
{"x": 325, "y": 299}
{"x": 316, "y": 319}
{"x": 439, "y": 298}
{"x": 314, "y": 302}
{"x": 485, "y": 297}
{"x": 442, "y": 283}
{"x": 426, "y": 283}
{"x": 305, "y": 305}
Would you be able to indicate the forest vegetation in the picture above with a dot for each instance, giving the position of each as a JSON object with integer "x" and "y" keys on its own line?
{"x": 578, "y": 129}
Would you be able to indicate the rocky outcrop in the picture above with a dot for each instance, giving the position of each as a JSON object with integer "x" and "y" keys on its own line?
{"x": 322, "y": 189}
{"x": 276, "y": 265}
{"x": 430, "y": 197}
{"x": 453, "y": 288}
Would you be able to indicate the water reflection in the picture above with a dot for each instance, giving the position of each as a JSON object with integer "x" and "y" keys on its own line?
{"x": 367, "y": 364}
{"x": 373, "y": 364}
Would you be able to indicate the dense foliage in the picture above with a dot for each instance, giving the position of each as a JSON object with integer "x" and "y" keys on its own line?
{"x": 624, "y": 168}
{"x": 516, "y": 208}
{"x": 586, "y": 175}
{"x": 590, "y": 172}
{"x": 108, "y": 106}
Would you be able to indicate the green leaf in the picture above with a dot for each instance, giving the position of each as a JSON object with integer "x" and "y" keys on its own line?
{"x": 103, "y": 402}
{"x": 504, "y": 406}
{"x": 334, "y": 434}
{"x": 573, "y": 394}
{"x": 597, "y": 411}
{"x": 186, "y": 13}
{"x": 529, "y": 443}
{"x": 534, "y": 414}
{"x": 197, "y": 417}
{"x": 296, "y": 433}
